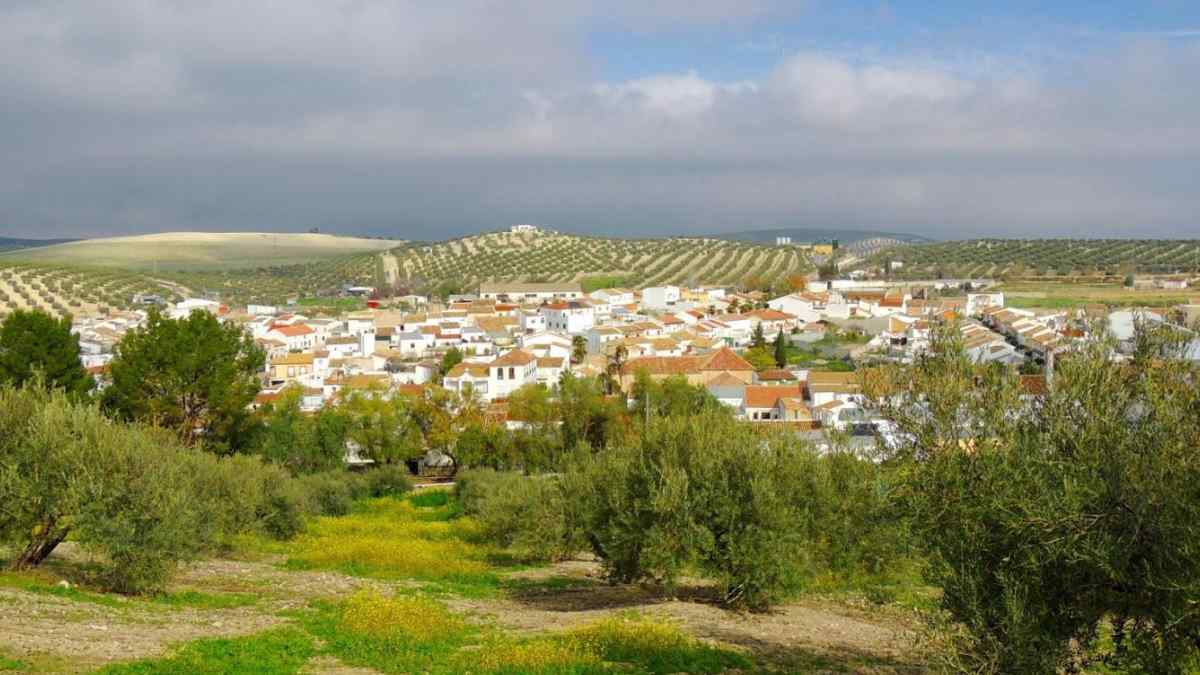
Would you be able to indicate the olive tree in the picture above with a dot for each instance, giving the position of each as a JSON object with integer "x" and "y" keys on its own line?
{"x": 1052, "y": 517}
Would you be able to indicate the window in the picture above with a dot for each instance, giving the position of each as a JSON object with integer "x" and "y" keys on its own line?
{"x": 512, "y": 375}
{"x": 499, "y": 373}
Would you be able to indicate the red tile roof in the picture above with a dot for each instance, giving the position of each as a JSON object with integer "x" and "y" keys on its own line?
{"x": 766, "y": 396}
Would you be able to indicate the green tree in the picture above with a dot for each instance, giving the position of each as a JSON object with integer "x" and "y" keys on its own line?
{"x": 1053, "y": 518}
{"x": 132, "y": 496}
{"x": 194, "y": 376}
{"x": 760, "y": 357}
{"x": 451, "y": 358}
{"x": 758, "y": 338}
{"x": 781, "y": 351}
{"x": 383, "y": 426}
{"x": 578, "y": 349}
{"x": 34, "y": 344}
{"x": 302, "y": 442}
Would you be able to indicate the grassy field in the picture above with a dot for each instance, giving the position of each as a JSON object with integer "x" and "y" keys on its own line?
{"x": 1051, "y": 295}
{"x": 197, "y": 250}
{"x": 406, "y": 585}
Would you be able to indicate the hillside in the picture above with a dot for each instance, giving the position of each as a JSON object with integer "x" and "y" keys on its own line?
{"x": 461, "y": 264}
{"x": 78, "y": 291}
{"x": 562, "y": 257}
{"x": 801, "y": 235}
{"x": 201, "y": 250}
{"x": 1040, "y": 257}
{"x": 11, "y": 244}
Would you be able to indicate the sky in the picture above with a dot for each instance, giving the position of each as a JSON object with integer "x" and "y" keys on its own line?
{"x": 429, "y": 119}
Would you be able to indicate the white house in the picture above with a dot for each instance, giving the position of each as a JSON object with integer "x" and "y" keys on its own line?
{"x": 977, "y": 302}
{"x": 598, "y": 336}
{"x": 184, "y": 308}
{"x": 660, "y": 297}
{"x": 532, "y": 322}
{"x": 571, "y": 316}
{"x": 613, "y": 296}
{"x": 509, "y": 372}
{"x": 298, "y": 337}
{"x": 547, "y": 344}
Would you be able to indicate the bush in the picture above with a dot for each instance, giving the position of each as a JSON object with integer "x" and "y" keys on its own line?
{"x": 388, "y": 481}
{"x": 133, "y": 496}
{"x": 758, "y": 512}
{"x": 332, "y": 493}
{"x": 525, "y": 513}
{"x": 1054, "y": 519}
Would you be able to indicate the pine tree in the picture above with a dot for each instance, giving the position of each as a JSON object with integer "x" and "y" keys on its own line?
{"x": 780, "y": 350}
{"x": 34, "y": 344}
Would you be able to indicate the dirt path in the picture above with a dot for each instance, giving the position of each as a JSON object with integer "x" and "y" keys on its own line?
{"x": 795, "y": 635}
{"x": 87, "y": 635}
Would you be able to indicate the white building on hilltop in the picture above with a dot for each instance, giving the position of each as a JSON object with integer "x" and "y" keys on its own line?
{"x": 524, "y": 229}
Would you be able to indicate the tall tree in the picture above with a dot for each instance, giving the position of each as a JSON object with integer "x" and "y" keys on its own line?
{"x": 578, "y": 349}
{"x": 34, "y": 344}
{"x": 780, "y": 350}
{"x": 194, "y": 375}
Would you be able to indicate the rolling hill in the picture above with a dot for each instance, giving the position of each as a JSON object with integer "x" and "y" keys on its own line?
{"x": 802, "y": 235}
{"x": 200, "y": 250}
{"x": 544, "y": 256}
{"x": 11, "y": 244}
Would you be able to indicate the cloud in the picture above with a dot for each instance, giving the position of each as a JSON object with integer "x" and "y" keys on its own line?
{"x": 430, "y": 119}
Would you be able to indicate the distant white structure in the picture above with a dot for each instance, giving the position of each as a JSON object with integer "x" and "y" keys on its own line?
{"x": 660, "y": 297}
{"x": 262, "y": 310}
{"x": 184, "y": 308}
{"x": 783, "y": 241}
{"x": 524, "y": 228}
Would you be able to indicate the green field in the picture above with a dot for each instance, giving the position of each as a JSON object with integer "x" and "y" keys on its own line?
{"x": 1052, "y": 295}
{"x": 201, "y": 251}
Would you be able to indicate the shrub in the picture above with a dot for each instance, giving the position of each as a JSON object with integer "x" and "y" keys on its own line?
{"x": 1054, "y": 519}
{"x": 131, "y": 495}
{"x": 525, "y": 513}
{"x": 331, "y": 493}
{"x": 388, "y": 481}
{"x": 755, "y": 511}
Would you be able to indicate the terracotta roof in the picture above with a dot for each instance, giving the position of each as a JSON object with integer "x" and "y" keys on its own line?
{"x": 832, "y": 382}
{"x": 476, "y": 370}
{"x": 293, "y": 330}
{"x": 776, "y": 375}
{"x": 771, "y": 315}
{"x": 516, "y": 357}
{"x": 550, "y": 362}
{"x": 763, "y": 396}
{"x": 663, "y": 365}
{"x": 725, "y": 359}
{"x": 725, "y": 380}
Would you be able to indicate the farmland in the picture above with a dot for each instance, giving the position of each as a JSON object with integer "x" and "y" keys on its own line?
{"x": 201, "y": 251}
{"x": 1046, "y": 257}
{"x": 59, "y": 289}
{"x": 560, "y": 257}
{"x": 460, "y": 264}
